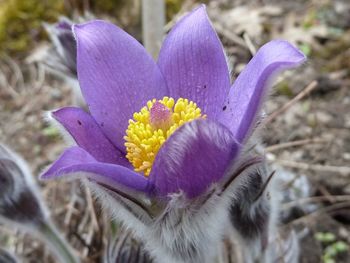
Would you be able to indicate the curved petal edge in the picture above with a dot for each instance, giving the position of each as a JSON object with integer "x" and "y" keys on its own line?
{"x": 193, "y": 158}
{"x": 116, "y": 75}
{"x": 193, "y": 62}
{"x": 248, "y": 91}
{"x": 75, "y": 163}
{"x": 88, "y": 135}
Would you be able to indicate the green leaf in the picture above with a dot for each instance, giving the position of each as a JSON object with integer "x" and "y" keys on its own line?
{"x": 330, "y": 251}
{"x": 328, "y": 260}
{"x": 341, "y": 246}
{"x": 305, "y": 48}
{"x": 51, "y": 132}
{"x": 325, "y": 237}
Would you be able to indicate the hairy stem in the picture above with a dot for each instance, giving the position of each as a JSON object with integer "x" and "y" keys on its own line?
{"x": 59, "y": 246}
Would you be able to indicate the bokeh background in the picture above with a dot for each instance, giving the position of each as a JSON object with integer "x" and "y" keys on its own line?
{"x": 308, "y": 142}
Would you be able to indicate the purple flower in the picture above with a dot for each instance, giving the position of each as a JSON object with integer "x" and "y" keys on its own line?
{"x": 202, "y": 120}
{"x": 61, "y": 58}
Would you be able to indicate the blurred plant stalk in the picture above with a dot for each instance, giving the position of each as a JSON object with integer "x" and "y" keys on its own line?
{"x": 22, "y": 206}
{"x": 7, "y": 257}
{"x": 57, "y": 243}
{"x": 59, "y": 58}
{"x": 153, "y": 23}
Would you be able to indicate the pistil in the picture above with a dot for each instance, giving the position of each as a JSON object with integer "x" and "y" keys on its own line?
{"x": 160, "y": 117}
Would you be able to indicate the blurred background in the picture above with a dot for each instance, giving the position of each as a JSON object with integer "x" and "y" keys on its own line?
{"x": 306, "y": 138}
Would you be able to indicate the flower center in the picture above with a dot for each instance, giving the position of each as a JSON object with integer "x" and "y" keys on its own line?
{"x": 160, "y": 116}
{"x": 152, "y": 126}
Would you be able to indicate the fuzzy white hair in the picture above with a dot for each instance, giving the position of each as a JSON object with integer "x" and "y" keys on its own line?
{"x": 23, "y": 180}
{"x": 67, "y": 137}
{"x": 180, "y": 230}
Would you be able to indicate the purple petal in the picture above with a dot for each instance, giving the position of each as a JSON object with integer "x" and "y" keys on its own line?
{"x": 64, "y": 23}
{"x": 76, "y": 160}
{"x": 116, "y": 75}
{"x": 193, "y": 158}
{"x": 193, "y": 63}
{"x": 247, "y": 93}
{"x": 62, "y": 37}
{"x": 88, "y": 135}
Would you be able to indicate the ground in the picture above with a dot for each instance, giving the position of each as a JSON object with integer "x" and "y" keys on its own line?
{"x": 310, "y": 137}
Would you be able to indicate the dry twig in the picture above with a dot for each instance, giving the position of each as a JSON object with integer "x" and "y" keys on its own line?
{"x": 309, "y": 219}
{"x": 91, "y": 208}
{"x": 230, "y": 35}
{"x": 290, "y": 103}
{"x": 315, "y": 199}
{"x": 341, "y": 170}
{"x": 249, "y": 44}
{"x": 280, "y": 146}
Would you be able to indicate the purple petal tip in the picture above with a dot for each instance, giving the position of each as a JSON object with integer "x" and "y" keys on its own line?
{"x": 295, "y": 56}
{"x": 246, "y": 96}
{"x": 193, "y": 158}
{"x": 78, "y": 29}
{"x": 112, "y": 68}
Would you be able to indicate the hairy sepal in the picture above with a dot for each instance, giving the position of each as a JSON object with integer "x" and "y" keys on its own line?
{"x": 184, "y": 231}
{"x": 20, "y": 202}
{"x": 254, "y": 212}
{"x": 188, "y": 230}
{"x": 181, "y": 230}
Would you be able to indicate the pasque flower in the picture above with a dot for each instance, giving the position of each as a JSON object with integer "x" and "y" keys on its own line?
{"x": 60, "y": 58}
{"x": 21, "y": 206}
{"x": 169, "y": 131}
{"x": 20, "y": 203}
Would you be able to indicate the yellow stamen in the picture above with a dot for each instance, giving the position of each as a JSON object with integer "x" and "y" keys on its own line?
{"x": 152, "y": 126}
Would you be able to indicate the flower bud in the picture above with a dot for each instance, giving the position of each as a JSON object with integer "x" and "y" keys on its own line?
{"x": 253, "y": 212}
{"x": 62, "y": 59}
{"x": 19, "y": 202}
